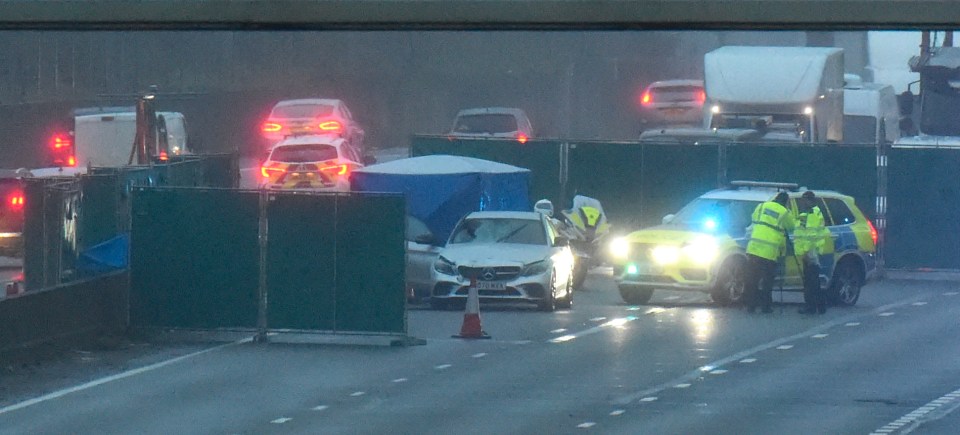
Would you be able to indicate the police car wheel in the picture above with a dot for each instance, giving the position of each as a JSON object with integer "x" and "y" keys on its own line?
{"x": 729, "y": 287}
{"x": 846, "y": 284}
{"x": 635, "y": 295}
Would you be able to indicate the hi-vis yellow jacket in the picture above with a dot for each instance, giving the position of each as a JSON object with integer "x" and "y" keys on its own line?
{"x": 770, "y": 223}
{"x": 810, "y": 234}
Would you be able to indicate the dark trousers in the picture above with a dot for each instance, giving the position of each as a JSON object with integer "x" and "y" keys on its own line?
{"x": 813, "y": 295}
{"x": 758, "y": 288}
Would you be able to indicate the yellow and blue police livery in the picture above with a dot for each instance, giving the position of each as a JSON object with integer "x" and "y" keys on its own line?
{"x": 702, "y": 247}
{"x": 310, "y": 162}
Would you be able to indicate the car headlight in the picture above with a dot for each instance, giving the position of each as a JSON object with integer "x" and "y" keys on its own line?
{"x": 619, "y": 248}
{"x": 537, "y": 268}
{"x": 665, "y": 255}
{"x": 702, "y": 250}
{"x": 444, "y": 266}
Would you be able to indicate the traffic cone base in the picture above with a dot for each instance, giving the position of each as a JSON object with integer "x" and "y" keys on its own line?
{"x": 471, "y": 317}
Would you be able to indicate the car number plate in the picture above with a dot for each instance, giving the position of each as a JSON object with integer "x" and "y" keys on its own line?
{"x": 491, "y": 285}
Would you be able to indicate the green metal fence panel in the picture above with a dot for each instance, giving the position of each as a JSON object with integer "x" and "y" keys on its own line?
{"x": 301, "y": 270}
{"x": 99, "y": 219}
{"x": 923, "y": 195}
{"x": 221, "y": 170}
{"x": 673, "y": 176}
{"x": 609, "y": 172}
{"x": 370, "y": 263}
{"x": 194, "y": 258}
{"x": 34, "y": 190}
{"x": 541, "y": 157}
{"x": 851, "y": 170}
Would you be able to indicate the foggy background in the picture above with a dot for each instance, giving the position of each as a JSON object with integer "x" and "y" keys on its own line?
{"x": 396, "y": 83}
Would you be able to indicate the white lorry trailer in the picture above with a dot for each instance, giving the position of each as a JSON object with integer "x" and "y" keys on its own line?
{"x": 790, "y": 94}
{"x": 871, "y": 114}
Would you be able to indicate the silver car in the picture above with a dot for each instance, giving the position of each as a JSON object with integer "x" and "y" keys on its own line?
{"x": 422, "y": 251}
{"x": 672, "y": 103}
{"x": 511, "y": 256}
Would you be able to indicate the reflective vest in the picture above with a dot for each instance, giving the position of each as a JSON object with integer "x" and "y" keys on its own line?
{"x": 770, "y": 223}
{"x": 810, "y": 233}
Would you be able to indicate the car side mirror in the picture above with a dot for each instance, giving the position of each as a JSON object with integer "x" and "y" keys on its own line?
{"x": 668, "y": 218}
{"x": 426, "y": 239}
{"x": 561, "y": 241}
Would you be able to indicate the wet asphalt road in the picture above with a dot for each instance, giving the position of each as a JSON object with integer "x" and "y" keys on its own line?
{"x": 678, "y": 365}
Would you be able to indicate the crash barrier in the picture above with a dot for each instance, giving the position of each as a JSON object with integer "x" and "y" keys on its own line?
{"x": 329, "y": 262}
{"x": 67, "y": 313}
{"x": 640, "y": 182}
{"x": 76, "y": 227}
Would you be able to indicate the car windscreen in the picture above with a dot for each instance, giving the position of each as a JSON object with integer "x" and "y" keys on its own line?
{"x": 303, "y": 153}
{"x": 500, "y": 230}
{"x": 302, "y": 111}
{"x": 716, "y": 215}
{"x": 485, "y": 124}
{"x": 672, "y": 94}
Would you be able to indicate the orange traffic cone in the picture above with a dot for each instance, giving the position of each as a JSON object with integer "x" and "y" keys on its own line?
{"x": 471, "y": 316}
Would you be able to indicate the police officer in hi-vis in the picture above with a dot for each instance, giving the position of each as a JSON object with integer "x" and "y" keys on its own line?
{"x": 768, "y": 235}
{"x": 809, "y": 239}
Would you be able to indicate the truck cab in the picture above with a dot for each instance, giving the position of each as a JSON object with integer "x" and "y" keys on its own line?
{"x": 871, "y": 113}
{"x": 106, "y": 139}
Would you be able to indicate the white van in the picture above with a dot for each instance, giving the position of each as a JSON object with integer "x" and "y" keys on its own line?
{"x": 870, "y": 112}
{"x": 106, "y": 139}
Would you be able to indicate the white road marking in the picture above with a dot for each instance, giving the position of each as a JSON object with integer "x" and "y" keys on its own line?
{"x": 682, "y": 386}
{"x": 633, "y": 309}
{"x": 586, "y": 425}
{"x": 281, "y": 420}
{"x": 559, "y": 331}
{"x": 739, "y": 356}
{"x": 357, "y": 393}
{"x": 785, "y": 347}
{"x": 919, "y": 303}
{"x": 615, "y": 323}
{"x": 852, "y": 324}
{"x": 443, "y": 366}
{"x": 479, "y": 355}
{"x": 598, "y": 319}
{"x": 935, "y": 410}
{"x": 887, "y": 314}
{"x": 950, "y": 294}
{"x": 819, "y": 335}
{"x": 319, "y": 408}
{"x": 649, "y": 399}
{"x": 748, "y": 360}
{"x": 718, "y": 372}
{"x": 116, "y": 377}
{"x": 655, "y": 310}
{"x": 399, "y": 380}
{"x": 617, "y": 412}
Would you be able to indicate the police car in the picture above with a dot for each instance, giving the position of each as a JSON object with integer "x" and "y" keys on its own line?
{"x": 311, "y": 162}
{"x": 702, "y": 247}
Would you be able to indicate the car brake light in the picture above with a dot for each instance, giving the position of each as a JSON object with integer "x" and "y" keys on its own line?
{"x": 271, "y": 127}
{"x": 702, "y": 97}
{"x": 71, "y": 161}
{"x": 873, "y": 232}
{"x": 60, "y": 141}
{"x": 15, "y": 200}
{"x": 330, "y": 126}
{"x": 266, "y": 170}
{"x": 522, "y": 138}
{"x": 163, "y": 155}
{"x": 646, "y": 99}
{"x": 336, "y": 169}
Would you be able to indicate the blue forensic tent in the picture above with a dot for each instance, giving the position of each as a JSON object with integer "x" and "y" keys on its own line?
{"x": 441, "y": 189}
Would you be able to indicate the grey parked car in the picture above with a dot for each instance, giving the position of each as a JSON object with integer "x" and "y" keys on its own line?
{"x": 672, "y": 103}
{"x": 422, "y": 251}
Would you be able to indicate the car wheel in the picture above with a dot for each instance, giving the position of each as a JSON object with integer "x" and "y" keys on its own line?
{"x": 635, "y": 295}
{"x": 549, "y": 301}
{"x": 845, "y": 289}
{"x": 567, "y": 300}
{"x": 730, "y": 284}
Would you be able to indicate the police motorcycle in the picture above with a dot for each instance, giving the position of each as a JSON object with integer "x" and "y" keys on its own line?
{"x": 585, "y": 226}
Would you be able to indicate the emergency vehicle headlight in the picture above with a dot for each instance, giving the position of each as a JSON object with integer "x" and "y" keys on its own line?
{"x": 701, "y": 250}
{"x": 808, "y": 110}
{"x": 715, "y": 109}
{"x": 619, "y": 248}
{"x": 665, "y": 255}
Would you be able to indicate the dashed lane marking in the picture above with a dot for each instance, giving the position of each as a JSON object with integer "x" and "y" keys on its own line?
{"x": 918, "y": 304}
{"x": 852, "y": 324}
{"x": 443, "y": 366}
{"x": 887, "y": 314}
{"x": 748, "y": 360}
{"x": 598, "y": 319}
{"x": 586, "y": 425}
{"x": 616, "y": 412}
{"x": 479, "y": 355}
{"x": 746, "y": 354}
{"x": 819, "y": 335}
{"x": 116, "y": 377}
{"x": 785, "y": 347}
{"x": 951, "y": 293}
{"x": 319, "y": 408}
{"x": 682, "y": 386}
{"x": 649, "y": 399}
{"x": 399, "y": 380}
{"x": 934, "y": 410}
{"x": 281, "y": 420}
{"x": 357, "y": 393}
{"x": 559, "y": 331}
{"x": 613, "y": 323}
{"x": 718, "y": 372}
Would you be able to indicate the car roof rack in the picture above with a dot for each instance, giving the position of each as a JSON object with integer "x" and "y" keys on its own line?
{"x": 766, "y": 184}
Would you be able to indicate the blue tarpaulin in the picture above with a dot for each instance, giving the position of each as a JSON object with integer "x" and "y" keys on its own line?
{"x": 105, "y": 257}
{"x": 441, "y": 189}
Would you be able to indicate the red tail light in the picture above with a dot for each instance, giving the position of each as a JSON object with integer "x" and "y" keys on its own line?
{"x": 60, "y": 141}
{"x": 873, "y": 232}
{"x": 271, "y": 127}
{"x": 646, "y": 98}
{"x": 267, "y": 170}
{"x": 522, "y": 138}
{"x": 331, "y": 126}
{"x": 336, "y": 169}
{"x": 163, "y": 155}
{"x": 15, "y": 200}
{"x": 702, "y": 97}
